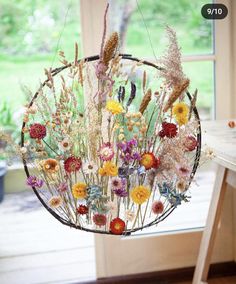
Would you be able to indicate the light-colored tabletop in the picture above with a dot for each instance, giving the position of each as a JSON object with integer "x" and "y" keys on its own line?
{"x": 222, "y": 139}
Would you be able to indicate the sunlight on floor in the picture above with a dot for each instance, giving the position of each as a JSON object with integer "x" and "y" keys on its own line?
{"x": 36, "y": 248}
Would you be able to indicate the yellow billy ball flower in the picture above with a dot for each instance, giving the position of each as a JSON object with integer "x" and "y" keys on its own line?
{"x": 180, "y": 109}
{"x": 114, "y": 107}
{"x": 79, "y": 190}
{"x": 140, "y": 194}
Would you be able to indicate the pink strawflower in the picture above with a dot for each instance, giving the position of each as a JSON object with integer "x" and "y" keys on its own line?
{"x": 106, "y": 152}
{"x": 99, "y": 219}
{"x": 183, "y": 170}
{"x": 116, "y": 183}
{"x": 157, "y": 207}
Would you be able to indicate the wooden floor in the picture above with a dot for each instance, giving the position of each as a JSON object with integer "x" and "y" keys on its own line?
{"x": 36, "y": 249}
{"x": 226, "y": 280}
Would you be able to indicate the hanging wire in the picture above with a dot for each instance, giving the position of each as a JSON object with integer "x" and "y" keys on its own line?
{"x": 148, "y": 33}
{"x": 61, "y": 33}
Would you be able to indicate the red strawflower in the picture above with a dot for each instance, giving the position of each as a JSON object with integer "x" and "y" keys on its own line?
{"x": 157, "y": 163}
{"x": 37, "y": 131}
{"x": 99, "y": 219}
{"x": 168, "y": 130}
{"x": 82, "y": 209}
{"x": 72, "y": 164}
{"x": 190, "y": 143}
{"x": 148, "y": 160}
{"x": 117, "y": 226}
{"x": 157, "y": 207}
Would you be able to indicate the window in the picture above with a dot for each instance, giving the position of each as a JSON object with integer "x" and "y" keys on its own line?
{"x": 31, "y": 34}
{"x": 195, "y": 35}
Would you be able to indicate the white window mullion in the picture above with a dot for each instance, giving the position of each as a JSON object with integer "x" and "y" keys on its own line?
{"x": 223, "y": 64}
{"x": 92, "y": 14}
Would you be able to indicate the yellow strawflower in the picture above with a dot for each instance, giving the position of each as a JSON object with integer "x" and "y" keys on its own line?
{"x": 181, "y": 111}
{"x": 79, "y": 190}
{"x": 114, "y": 107}
{"x": 140, "y": 194}
{"x": 108, "y": 169}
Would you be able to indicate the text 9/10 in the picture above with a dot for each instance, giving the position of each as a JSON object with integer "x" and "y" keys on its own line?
{"x": 214, "y": 11}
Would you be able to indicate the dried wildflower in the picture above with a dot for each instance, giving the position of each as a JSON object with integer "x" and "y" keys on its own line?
{"x": 117, "y": 183}
{"x": 132, "y": 94}
{"x": 110, "y": 48}
{"x": 106, "y": 152}
{"x": 140, "y": 194}
{"x": 148, "y": 160}
{"x": 157, "y": 207}
{"x": 172, "y": 68}
{"x": 129, "y": 215}
{"x": 190, "y": 143}
{"x": 108, "y": 169}
{"x": 72, "y": 164}
{"x": 33, "y": 181}
{"x": 180, "y": 109}
{"x": 50, "y": 166}
{"x": 79, "y": 190}
{"x": 168, "y": 130}
{"x": 117, "y": 226}
{"x": 82, "y": 210}
{"x": 99, "y": 219}
{"x": 181, "y": 185}
{"x": 121, "y": 192}
{"x": 94, "y": 192}
{"x": 55, "y": 201}
{"x": 114, "y": 107}
{"x": 65, "y": 145}
{"x": 176, "y": 93}
{"x": 63, "y": 187}
{"x": 37, "y": 131}
{"x": 145, "y": 101}
{"x": 111, "y": 206}
{"x": 183, "y": 170}
{"x": 90, "y": 168}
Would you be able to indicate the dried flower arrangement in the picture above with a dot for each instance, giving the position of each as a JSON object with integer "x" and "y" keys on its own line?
{"x": 111, "y": 143}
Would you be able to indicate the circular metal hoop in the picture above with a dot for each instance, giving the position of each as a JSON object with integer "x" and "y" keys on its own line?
{"x": 168, "y": 211}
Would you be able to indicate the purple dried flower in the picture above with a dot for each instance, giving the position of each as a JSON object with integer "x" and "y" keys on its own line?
{"x": 136, "y": 156}
{"x": 121, "y": 192}
{"x": 62, "y": 187}
{"x": 33, "y": 181}
{"x": 122, "y": 146}
{"x": 132, "y": 143}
